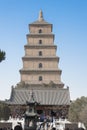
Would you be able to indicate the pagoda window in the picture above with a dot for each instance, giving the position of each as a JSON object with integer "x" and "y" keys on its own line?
{"x": 40, "y": 78}
{"x": 40, "y": 41}
{"x": 40, "y": 65}
{"x": 40, "y": 53}
{"x": 40, "y": 31}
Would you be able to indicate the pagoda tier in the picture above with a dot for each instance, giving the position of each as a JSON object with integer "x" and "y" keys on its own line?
{"x": 40, "y": 63}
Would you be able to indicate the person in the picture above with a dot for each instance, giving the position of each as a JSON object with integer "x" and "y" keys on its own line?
{"x": 18, "y": 127}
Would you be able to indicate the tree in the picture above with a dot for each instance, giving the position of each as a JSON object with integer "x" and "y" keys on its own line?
{"x": 78, "y": 110}
{"x": 4, "y": 111}
{"x": 2, "y": 55}
{"x": 83, "y": 116}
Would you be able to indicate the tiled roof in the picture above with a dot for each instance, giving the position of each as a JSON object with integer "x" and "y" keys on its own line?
{"x": 55, "y": 96}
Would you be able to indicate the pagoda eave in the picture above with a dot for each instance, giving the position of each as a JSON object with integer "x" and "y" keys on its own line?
{"x": 27, "y": 71}
{"x": 40, "y": 23}
{"x": 37, "y": 35}
{"x": 27, "y": 58}
{"x": 40, "y": 46}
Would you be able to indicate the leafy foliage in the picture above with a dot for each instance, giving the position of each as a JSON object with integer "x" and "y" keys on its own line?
{"x": 83, "y": 116}
{"x": 4, "y": 111}
{"x": 2, "y": 55}
{"x": 78, "y": 110}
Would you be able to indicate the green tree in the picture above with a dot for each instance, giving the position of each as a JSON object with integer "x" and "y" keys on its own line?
{"x": 2, "y": 55}
{"x": 4, "y": 111}
{"x": 78, "y": 110}
{"x": 83, "y": 116}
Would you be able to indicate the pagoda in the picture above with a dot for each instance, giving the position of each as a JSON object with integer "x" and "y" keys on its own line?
{"x": 41, "y": 74}
{"x": 40, "y": 63}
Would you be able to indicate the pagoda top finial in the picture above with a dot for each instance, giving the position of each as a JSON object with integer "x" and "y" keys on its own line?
{"x": 40, "y": 15}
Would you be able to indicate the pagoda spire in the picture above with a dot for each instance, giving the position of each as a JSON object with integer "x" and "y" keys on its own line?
{"x": 40, "y": 15}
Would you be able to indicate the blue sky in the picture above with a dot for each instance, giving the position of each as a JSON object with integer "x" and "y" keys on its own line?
{"x": 69, "y": 19}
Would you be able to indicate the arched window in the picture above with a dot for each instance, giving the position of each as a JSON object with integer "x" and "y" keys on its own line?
{"x": 40, "y": 78}
{"x": 40, "y": 65}
{"x": 40, "y": 41}
{"x": 40, "y": 31}
{"x": 40, "y": 53}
